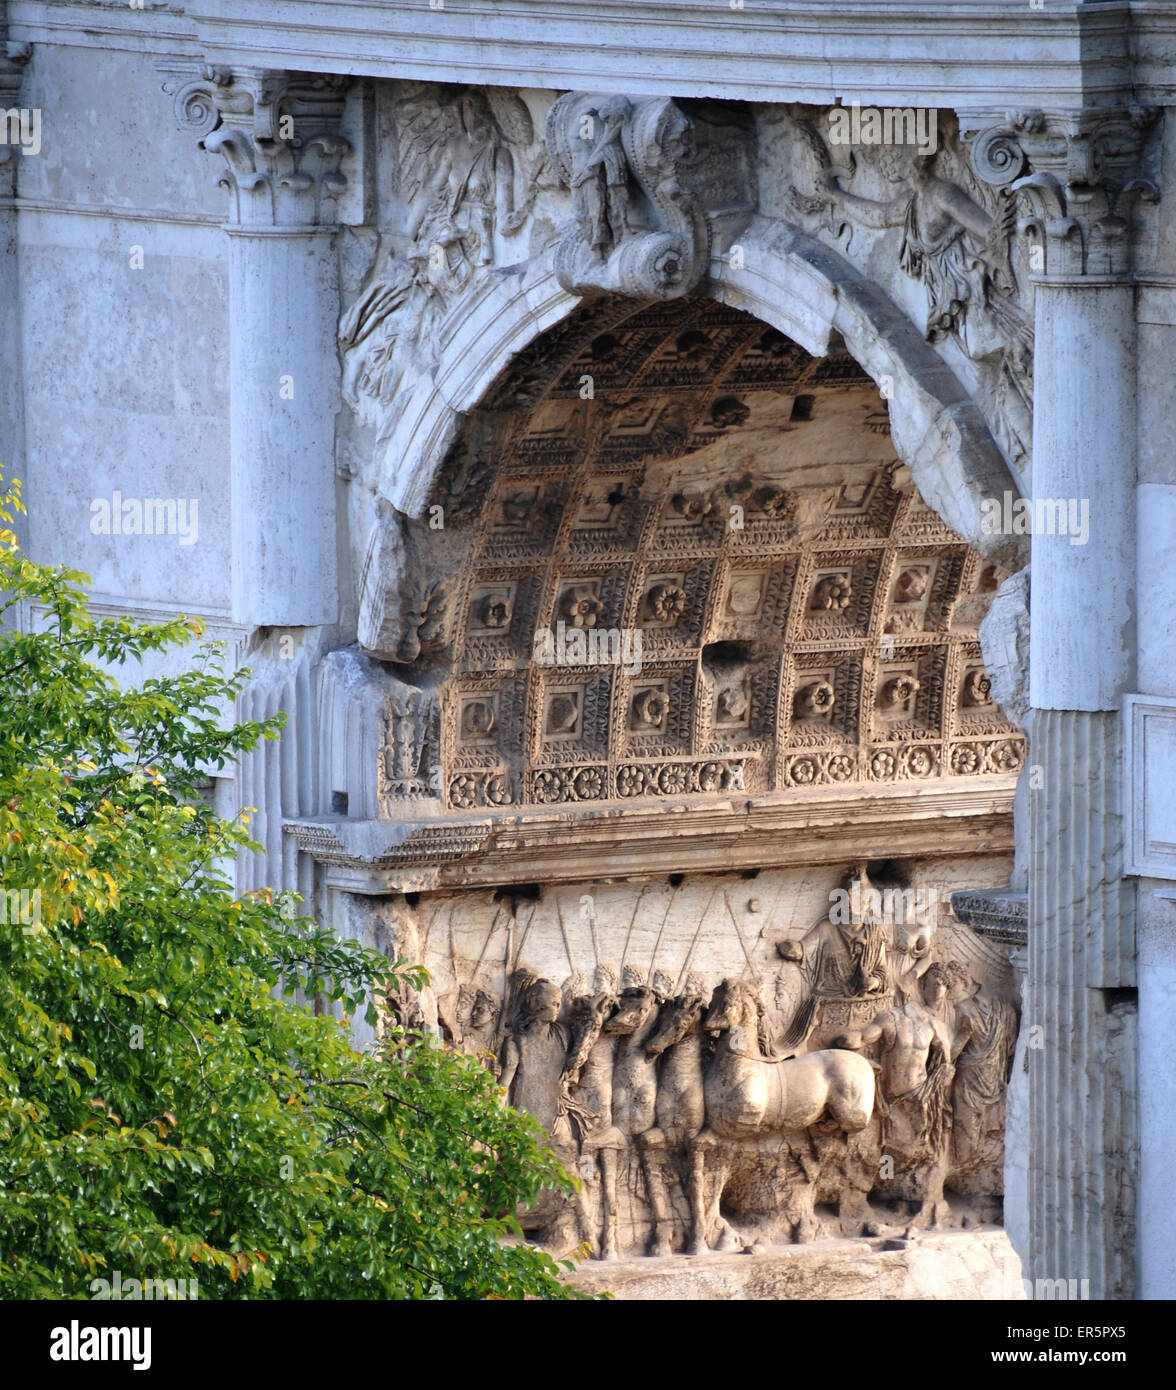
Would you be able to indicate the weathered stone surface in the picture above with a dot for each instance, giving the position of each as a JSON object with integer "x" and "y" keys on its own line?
{"x": 969, "y": 1265}
{"x": 425, "y": 255}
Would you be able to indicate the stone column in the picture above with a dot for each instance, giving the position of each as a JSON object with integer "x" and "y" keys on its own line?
{"x": 278, "y": 134}
{"x": 12, "y": 60}
{"x": 1076, "y": 178}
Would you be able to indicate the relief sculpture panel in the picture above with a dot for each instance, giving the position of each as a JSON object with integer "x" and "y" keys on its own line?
{"x": 734, "y": 1061}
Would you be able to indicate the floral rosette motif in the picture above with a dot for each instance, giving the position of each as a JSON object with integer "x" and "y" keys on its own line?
{"x": 580, "y": 608}
{"x": 803, "y": 771}
{"x": 673, "y": 780}
{"x": 882, "y": 766}
{"x": 965, "y": 759}
{"x": 840, "y": 767}
{"x": 589, "y": 783}
{"x": 630, "y": 781}
{"x": 667, "y": 602}
{"x": 463, "y": 791}
{"x": 833, "y": 594}
{"x": 498, "y": 789}
{"x": 495, "y": 611}
{"x": 549, "y": 787}
{"x": 1006, "y": 757}
{"x": 919, "y": 761}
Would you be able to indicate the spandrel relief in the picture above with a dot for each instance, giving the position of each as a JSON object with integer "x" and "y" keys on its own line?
{"x": 732, "y": 1063}
{"x": 466, "y": 176}
{"x": 944, "y": 228}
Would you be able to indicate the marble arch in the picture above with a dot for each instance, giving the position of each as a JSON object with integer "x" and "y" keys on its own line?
{"x": 858, "y": 726}
{"x": 838, "y": 624}
{"x": 1016, "y": 287}
{"x": 785, "y": 278}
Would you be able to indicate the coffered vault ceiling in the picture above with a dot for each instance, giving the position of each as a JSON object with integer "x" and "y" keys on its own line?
{"x": 683, "y": 559}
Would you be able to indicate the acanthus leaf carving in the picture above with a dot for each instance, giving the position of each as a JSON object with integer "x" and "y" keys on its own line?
{"x": 277, "y": 131}
{"x": 1077, "y": 176}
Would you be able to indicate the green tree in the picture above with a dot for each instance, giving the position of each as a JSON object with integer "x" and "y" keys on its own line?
{"x": 163, "y": 1112}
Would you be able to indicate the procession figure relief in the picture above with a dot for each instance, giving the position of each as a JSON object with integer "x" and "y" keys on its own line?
{"x": 666, "y": 1092}
{"x": 985, "y": 1035}
{"x": 534, "y": 1055}
{"x": 843, "y": 960}
{"x": 915, "y": 1054}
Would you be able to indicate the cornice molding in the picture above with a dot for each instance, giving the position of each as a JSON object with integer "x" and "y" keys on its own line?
{"x": 962, "y": 54}
{"x": 617, "y": 840}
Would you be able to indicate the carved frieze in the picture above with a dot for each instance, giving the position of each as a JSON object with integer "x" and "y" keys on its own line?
{"x": 625, "y": 1018}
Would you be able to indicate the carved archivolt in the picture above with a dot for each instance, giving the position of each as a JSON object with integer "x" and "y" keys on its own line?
{"x": 650, "y": 197}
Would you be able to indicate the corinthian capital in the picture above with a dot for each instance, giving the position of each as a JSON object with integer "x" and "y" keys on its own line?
{"x": 1077, "y": 176}
{"x": 278, "y": 133}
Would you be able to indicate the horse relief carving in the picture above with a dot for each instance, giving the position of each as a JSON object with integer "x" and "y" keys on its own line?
{"x": 848, "y": 1083}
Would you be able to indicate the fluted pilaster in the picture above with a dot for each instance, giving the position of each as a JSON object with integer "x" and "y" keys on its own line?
{"x": 1081, "y": 1009}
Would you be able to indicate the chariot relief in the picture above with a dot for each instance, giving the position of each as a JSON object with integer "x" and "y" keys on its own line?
{"x": 745, "y": 1077}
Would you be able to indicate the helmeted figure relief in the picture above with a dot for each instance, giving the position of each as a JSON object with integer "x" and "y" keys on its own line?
{"x": 534, "y": 1055}
{"x": 588, "y": 1089}
{"x": 634, "y": 1092}
{"x": 477, "y": 1022}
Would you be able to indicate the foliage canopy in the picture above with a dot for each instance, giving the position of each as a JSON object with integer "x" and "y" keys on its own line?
{"x": 163, "y": 1112}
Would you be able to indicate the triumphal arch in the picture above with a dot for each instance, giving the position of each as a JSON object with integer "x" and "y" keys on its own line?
{"x": 638, "y": 436}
